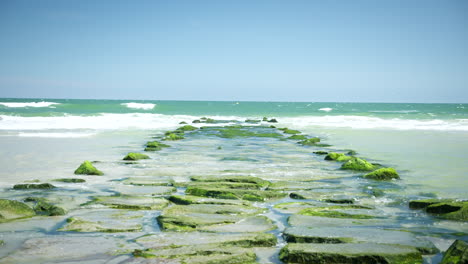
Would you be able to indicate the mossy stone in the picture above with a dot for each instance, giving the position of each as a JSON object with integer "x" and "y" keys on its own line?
{"x": 320, "y": 152}
{"x": 239, "y": 179}
{"x": 310, "y": 142}
{"x": 332, "y": 212}
{"x": 173, "y": 137}
{"x": 422, "y": 204}
{"x": 10, "y": 210}
{"x": 135, "y": 156}
{"x": 273, "y": 120}
{"x": 291, "y": 131}
{"x": 88, "y": 169}
{"x": 457, "y": 211}
{"x": 252, "y": 121}
{"x": 182, "y": 123}
{"x": 357, "y": 164}
{"x": 383, "y": 174}
{"x": 155, "y": 146}
{"x": 77, "y": 224}
{"x": 26, "y": 186}
{"x": 365, "y": 253}
{"x": 186, "y": 128}
{"x": 70, "y": 180}
{"x": 297, "y": 137}
{"x": 337, "y": 156}
{"x": 234, "y": 193}
{"x": 457, "y": 253}
{"x": 44, "y": 207}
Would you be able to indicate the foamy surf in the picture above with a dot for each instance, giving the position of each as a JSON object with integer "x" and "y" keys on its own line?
{"x": 146, "y": 106}
{"x": 326, "y": 109}
{"x": 28, "y": 104}
{"x": 57, "y": 135}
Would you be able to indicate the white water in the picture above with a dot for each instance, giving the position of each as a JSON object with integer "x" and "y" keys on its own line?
{"x": 147, "y": 106}
{"x": 29, "y": 104}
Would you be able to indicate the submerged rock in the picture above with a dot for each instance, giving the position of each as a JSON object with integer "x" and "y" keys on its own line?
{"x": 44, "y": 207}
{"x": 10, "y": 210}
{"x": 155, "y": 146}
{"x": 132, "y": 202}
{"x": 335, "y": 212}
{"x": 26, "y": 186}
{"x": 310, "y": 142}
{"x": 383, "y": 174}
{"x": 337, "y": 156}
{"x": 446, "y": 208}
{"x": 298, "y": 137}
{"x": 186, "y": 128}
{"x": 252, "y": 121}
{"x": 173, "y": 137}
{"x": 240, "y": 179}
{"x": 320, "y": 152}
{"x": 189, "y": 199}
{"x": 291, "y": 131}
{"x": 241, "y": 194}
{"x": 273, "y": 120}
{"x": 457, "y": 253}
{"x": 365, "y": 253}
{"x": 70, "y": 180}
{"x": 88, "y": 169}
{"x": 357, "y": 164}
{"x": 78, "y": 224}
{"x": 135, "y": 156}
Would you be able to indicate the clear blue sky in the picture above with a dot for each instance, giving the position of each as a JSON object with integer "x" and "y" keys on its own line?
{"x": 365, "y": 51}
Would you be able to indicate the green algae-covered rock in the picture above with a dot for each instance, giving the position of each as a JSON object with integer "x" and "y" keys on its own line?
{"x": 337, "y": 156}
{"x": 44, "y": 207}
{"x": 297, "y": 137}
{"x": 186, "y": 128}
{"x": 452, "y": 211}
{"x": 183, "y": 123}
{"x": 273, "y": 120}
{"x": 334, "y": 212}
{"x": 291, "y": 131}
{"x": 88, "y": 169}
{"x": 189, "y": 199}
{"x": 252, "y": 121}
{"x": 422, "y": 204}
{"x": 198, "y": 254}
{"x": 310, "y": 142}
{"x": 457, "y": 253}
{"x": 132, "y": 202}
{"x": 383, "y": 174}
{"x": 147, "y": 181}
{"x": 173, "y": 137}
{"x": 26, "y": 186}
{"x": 320, "y": 152}
{"x": 365, "y": 253}
{"x": 155, "y": 146}
{"x": 77, "y": 224}
{"x": 135, "y": 156}
{"x": 245, "y": 131}
{"x": 70, "y": 180}
{"x": 10, "y": 210}
{"x": 336, "y": 235}
{"x": 241, "y": 194}
{"x": 241, "y": 179}
{"x": 357, "y": 164}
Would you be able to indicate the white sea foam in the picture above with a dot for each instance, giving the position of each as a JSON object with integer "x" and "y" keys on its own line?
{"x": 395, "y": 111}
{"x": 149, "y": 121}
{"x": 364, "y": 122}
{"x": 147, "y": 106}
{"x": 29, "y": 104}
{"x": 326, "y": 109}
{"x": 56, "y": 134}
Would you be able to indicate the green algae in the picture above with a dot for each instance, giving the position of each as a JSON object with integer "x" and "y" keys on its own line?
{"x": 383, "y": 174}
{"x": 357, "y": 164}
{"x": 331, "y": 212}
{"x": 186, "y": 128}
{"x": 70, "y": 180}
{"x": 290, "y": 131}
{"x": 320, "y": 152}
{"x": 239, "y": 179}
{"x": 234, "y": 193}
{"x": 456, "y": 253}
{"x": 365, "y": 253}
{"x": 144, "y": 181}
{"x": 310, "y": 142}
{"x": 297, "y": 137}
{"x": 224, "y": 185}
{"x": 443, "y": 208}
{"x": 11, "y": 210}
{"x": 155, "y": 146}
{"x": 173, "y": 137}
{"x": 88, "y": 169}
{"x": 131, "y": 202}
{"x": 43, "y": 207}
{"x": 76, "y": 224}
{"x": 422, "y": 204}
{"x": 337, "y": 157}
{"x": 241, "y": 131}
{"x": 189, "y": 199}
{"x": 40, "y": 186}
{"x": 135, "y": 156}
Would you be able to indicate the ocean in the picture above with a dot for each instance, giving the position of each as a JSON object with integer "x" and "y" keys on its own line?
{"x": 46, "y": 139}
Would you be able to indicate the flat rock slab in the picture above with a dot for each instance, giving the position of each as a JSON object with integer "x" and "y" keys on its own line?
{"x": 108, "y": 221}
{"x": 250, "y": 224}
{"x": 189, "y": 199}
{"x": 365, "y": 253}
{"x": 205, "y": 253}
{"x": 357, "y": 235}
{"x": 316, "y": 221}
{"x": 62, "y": 249}
{"x": 132, "y": 202}
{"x": 198, "y": 238}
{"x": 148, "y": 181}
{"x": 144, "y": 190}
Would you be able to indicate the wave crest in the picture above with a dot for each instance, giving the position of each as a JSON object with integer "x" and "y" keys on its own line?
{"x": 28, "y": 104}
{"x": 144, "y": 106}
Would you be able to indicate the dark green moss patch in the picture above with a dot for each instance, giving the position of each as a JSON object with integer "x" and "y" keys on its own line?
{"x": 332, "y": 212}
{"x": 242, "y": 179}
{"x": 297, "y": 137}
{"x": 310, "y": 142}
{"x": 88, "y": 169}
{"x": 70, "y": 180}
{"x": 173, "y": 137}
{"x": 41, "y": 186}
{"x": 320, "y": 152}
{"x": 457, "y": 253}
{"x": 234, "y": 193}
{"x": 337, "y": 156}
{"x": 155, "y": 146}
{"x": 186, "y": 128}
{"x": 44, "y": 207}
{"x": 291, "y": 131}
{"x": 10, "y": 210}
